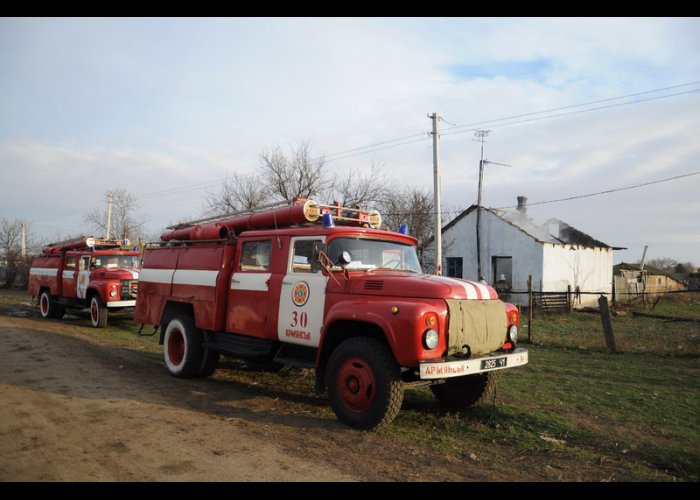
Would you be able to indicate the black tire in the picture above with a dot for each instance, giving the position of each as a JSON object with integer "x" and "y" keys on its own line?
{"x": 48, "y": 306}
{"x": 459, "y": 393}
{"x": 98, "y": 312}
{"x": 364, "y": 383}
{"x": 210, "y": 360}
{"x": 182, "y": 348}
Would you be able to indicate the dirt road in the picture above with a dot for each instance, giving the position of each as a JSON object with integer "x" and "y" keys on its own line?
{"x": 74, "y": 411}
{"x": 73, "y": 408}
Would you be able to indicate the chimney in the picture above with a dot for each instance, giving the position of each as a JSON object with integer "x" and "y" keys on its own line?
{"x": 522, "y": 204}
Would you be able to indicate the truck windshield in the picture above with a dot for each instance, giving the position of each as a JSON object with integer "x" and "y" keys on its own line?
{"x": 108, "y": 261}
{"x": 368, "y": 254}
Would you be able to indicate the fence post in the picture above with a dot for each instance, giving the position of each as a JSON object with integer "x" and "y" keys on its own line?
{"x": 569, "y": 302}
{"x": 530, "y": 309}
{"x": 607, "y": 323}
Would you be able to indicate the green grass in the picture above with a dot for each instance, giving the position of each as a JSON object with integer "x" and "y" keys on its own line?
{"x": 583, "y": 407}
{"x": 639, "y": 410}
{"x": 632, "y": 333}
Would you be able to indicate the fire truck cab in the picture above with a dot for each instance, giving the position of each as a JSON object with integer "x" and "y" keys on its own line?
{"x": 86, "y": 272}
{"x": 320, "y": 286}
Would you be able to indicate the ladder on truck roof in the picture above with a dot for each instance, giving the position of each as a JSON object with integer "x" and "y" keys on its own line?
{"x": 82, "y": 243}
{"x": 277, "y": 215}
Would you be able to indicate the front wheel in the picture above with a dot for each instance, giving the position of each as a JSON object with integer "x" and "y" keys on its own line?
{"x": 183, "y": 350}
{"x": 364, "y": 383}
{"x": 459, "y": 393}
{"x": 98, "y": 312}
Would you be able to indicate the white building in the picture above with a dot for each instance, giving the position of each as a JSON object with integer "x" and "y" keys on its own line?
{"x": 555, "y": 254}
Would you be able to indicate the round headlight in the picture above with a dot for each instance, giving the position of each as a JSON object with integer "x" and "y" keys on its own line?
{"x": 430, "y": 339}
{"x": 513, "y": 333}
{"x": 113, "y": 293}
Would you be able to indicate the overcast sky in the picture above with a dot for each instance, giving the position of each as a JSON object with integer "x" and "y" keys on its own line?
{"x": 166, "y": 108}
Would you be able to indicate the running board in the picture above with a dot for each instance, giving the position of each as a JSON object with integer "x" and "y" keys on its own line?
{"x": 296, "y": 355}
{"x": 240, "y": 345}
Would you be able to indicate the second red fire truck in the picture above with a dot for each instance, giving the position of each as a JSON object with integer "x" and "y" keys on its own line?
{"x": 85, "y": 273}
{"x": 321, "y": 286}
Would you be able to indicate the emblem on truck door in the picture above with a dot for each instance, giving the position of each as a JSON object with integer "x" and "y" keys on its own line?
{"x": 300, "y": 293}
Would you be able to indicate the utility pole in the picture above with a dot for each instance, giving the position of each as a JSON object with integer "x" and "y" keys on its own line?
{"x": 109, "y": 214}
{"x": 24, "y": 238}
{"x": 436, "y": 194}
{"x": 480, "y": 134}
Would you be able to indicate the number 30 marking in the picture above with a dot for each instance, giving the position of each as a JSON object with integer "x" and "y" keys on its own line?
{"x": 299, "y": 319}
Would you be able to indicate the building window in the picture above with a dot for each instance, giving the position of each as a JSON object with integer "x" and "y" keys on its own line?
{"x": 454, "y": 267}
{"x": 658, "y": 281}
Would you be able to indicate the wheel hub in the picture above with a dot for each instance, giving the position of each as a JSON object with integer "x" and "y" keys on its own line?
{"x": 356, "y": 384}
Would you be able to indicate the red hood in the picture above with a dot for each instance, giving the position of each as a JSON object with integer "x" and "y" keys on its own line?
{"x": 116, "y": 273}
{"x": 418, "y": 285}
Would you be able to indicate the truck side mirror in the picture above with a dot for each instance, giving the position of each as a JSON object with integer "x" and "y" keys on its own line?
{"x": 319, "y": 247}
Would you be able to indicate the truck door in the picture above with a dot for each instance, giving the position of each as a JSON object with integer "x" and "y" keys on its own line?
{"x": 249, "y": 300}
{"x": 303, "y": 296}
{"x": 83, "y": 275}
{"x": 68, "y": 276}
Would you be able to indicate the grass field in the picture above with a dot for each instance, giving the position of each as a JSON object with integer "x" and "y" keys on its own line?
{"x": 632, "y": 333}
{"x": 569, "y": 411}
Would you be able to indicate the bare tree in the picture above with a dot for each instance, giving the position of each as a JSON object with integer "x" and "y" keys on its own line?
{"x": 16, "y": 266}
{"x": 663, "y": 263}
{"x": 684, "y": 268}
{"x": 413, "y": 207}
{"x": 296, "y": 174}
{"x": 356, "y": 189}
{"x": 240, "y": 192}
{"x": 125, "y": 223}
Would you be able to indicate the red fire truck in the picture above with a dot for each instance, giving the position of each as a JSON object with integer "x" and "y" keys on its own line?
{"x": 321, "y": 286}
{"x": 85, "y": 272}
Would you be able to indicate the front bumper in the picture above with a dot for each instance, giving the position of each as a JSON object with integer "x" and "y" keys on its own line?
{"x": 122, "y": 303}
{"x": 457, "y": 367}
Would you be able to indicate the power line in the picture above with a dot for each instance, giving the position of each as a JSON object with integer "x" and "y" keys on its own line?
{"x": 569, "y": 198}
{"x": 607, "y": 191}
{"x": 577, "y": 105}
{"x": 573, "y": 112}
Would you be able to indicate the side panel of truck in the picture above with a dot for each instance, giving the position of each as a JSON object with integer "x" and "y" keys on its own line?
{"x": 155, "y": 284}
{"x": 44, "y": 274}
{"x": 254, "y": 290}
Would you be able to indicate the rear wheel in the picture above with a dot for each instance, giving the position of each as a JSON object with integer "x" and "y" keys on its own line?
{"x": 210, "y": 360}
{"x": 364, "y": 383}
{"x": 459, "y": 393}
{"x": 49, "y": 307}
{"x": 98, "y": 312}
{"x": 183, "y": 350}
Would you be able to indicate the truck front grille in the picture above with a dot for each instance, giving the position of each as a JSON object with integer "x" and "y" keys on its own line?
{"x": 478, "y": 324}
{"x": 129, "y": 289}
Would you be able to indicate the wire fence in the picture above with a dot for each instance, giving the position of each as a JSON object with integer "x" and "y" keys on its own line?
{"x": 666, "y": 323}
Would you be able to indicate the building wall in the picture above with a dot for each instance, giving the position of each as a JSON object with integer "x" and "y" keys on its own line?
{"x": 498, "y": 238}
{"x": 589, "y": 269}
{"x": 660, "y": 283}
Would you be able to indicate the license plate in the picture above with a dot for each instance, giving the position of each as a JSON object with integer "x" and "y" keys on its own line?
{"x": 490, "y": 364}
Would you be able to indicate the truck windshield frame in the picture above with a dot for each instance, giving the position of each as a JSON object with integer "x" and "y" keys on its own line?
{"x": 367, "y": 254}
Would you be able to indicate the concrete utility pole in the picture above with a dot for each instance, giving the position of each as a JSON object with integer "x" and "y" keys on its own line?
{"x": 109, "y": 214}
{"x": 24, "y": 238}
{"x": 480, "y": 134}
{"x": 436, "y": 194}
